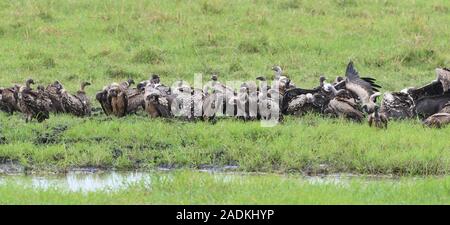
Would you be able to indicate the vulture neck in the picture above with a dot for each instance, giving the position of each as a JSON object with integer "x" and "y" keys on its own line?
{"x": 28, "y": 84}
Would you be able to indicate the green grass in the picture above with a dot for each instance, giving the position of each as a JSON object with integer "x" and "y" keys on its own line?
{"x": 189, "y": 188}
{"x": 398, "y": 42}
{"x": 310, "y": 144}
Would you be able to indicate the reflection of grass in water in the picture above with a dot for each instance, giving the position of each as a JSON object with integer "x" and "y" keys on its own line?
{"x": 185, "y": 187}
{"x": 311, "y": 144}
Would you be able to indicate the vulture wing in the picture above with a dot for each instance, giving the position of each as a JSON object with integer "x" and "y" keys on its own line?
{"x": 433, "y": 88}
{"x": 367, "y": 84}
{"x": 293, "y": 93}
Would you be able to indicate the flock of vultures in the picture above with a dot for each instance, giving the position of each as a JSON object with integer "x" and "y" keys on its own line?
{"x": 351, "y": 96}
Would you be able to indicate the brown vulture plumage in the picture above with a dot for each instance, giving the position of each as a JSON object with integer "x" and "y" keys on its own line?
{"x": 78, "y": 104}
{"x": 377, "y": 119}
{"x": 437, "y": 120}
{"x": 54, "y": 94}
{"x": 32, "y": 104}
{"x": 9, "y": 99}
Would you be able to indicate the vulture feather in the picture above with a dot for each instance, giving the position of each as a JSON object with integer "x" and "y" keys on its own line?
{"x": 437, "y": 120}
{"x": 32, "y": 104}
{"x": 79, "y": 104}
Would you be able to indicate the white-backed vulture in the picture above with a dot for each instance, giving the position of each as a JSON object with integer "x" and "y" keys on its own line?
{"x": 78, "y": 104}
{"x": 269, "y": 106}
{"x": 45, "y": 98}
{"x": 104, "y": 100}
{"x": 135, "y": 100}
{"x": 54, "y": 93}
{"x": 343, "y": 105}
{"x": 119, "y": 100}
{"x": 9, "y": 99}
{"x": 363, "y": 88}
{"x": 443, "y": 76}
{"x": 31, "y": 103}
{"x": 437, "y": 120}
{"x": 157, "y": 102}
{"x": 398, "y": 105}
{"x": 240, "y": 102}
{"x": 377, "y": 119}
{"x": 281, "y": 82}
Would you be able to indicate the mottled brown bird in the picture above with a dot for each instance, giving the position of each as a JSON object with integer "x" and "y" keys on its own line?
{"x": 32, "y": 104}
{"x": 78, "y": 104}
{"x": 9, "y": 99}
{"x": 119, "y": 100}
{"x": 54, "y": 94}
{"x": 437, "y": 120}
{"x": 377, "y": 119}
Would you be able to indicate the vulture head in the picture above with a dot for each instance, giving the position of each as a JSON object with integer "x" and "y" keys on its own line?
{"x": 57, "y": 85}
{"x": 278, "y": 71}
{"x": 29, "y": 82}
{"x": 141, "y": 85}
{"x": 338, "y": 79}
{"x": 214, "y": 77}
{"x": 40, "y": 88}
{"x": 114, "y": 90}
{"x": 84, "y": 84}
{"x": 155, "y": 79}
{"x": 322, "y": 80}
{"x": 100, "y": 95}
{"x": 369, "y": 107}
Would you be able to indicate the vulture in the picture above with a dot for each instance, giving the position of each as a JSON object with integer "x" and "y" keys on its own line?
{"x": 78, "y": 104}
{"x": 291, "y": 94}
{"x": 362, "y": 87}
{"x": 344, "y": 105}
{"x": 377, "y": 119}
{"x": 301, "y": 105}
{"x": 182, "y": 102}
{"x": 53, "y": 92}
{"x": 223, "y": 94}
{"x": 298, "y": 101}
{"x": 135, "y": 100}
{"x": 197, "y": 103}
{"x": 437, "y": 120}
{"x": 398, "y": 105}
{"x": 443, "y": 76}
{"x": 157, "y": 102}
{"x": 268, "y": 106}
{"x": 429, "y": 105}
{"x": 9, "y": 99}
{"x": 281, "y": 82}
{"x": 117, "y": 96}
{"x": 446, "y": 108}
{"x": 32, "y": 104}
{"x": 45, "y": 98}
{"x": 104, "y": 100}
{"x": 434, "y": 88}
{"x": 240, "y": 101}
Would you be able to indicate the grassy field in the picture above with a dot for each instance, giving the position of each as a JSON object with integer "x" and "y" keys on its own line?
{"x": 399, "y": 43}
{"x": 183, "y": 187}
